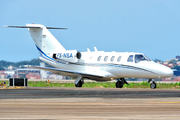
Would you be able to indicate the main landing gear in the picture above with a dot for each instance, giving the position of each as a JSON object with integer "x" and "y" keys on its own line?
{"x": 79, "y": 81}
{"x": 153, "y": 84}
{"x": 120, "y": 82}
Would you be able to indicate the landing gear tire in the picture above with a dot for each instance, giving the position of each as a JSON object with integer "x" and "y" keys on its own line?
{"x": 119, "y": 84}
{"x": 79, "y": 84}
{"x": 153, "y": 85}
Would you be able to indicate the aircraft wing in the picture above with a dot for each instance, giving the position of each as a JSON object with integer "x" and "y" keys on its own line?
{"x": 73, "y": 74}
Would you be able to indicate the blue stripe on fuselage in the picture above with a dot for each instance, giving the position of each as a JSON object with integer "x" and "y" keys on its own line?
{"x": 43, "y": 54}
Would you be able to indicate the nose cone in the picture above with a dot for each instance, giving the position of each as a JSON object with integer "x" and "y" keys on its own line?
{"x": 165, "y": 71}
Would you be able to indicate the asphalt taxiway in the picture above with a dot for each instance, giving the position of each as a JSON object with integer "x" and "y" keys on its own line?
{"x": 89, "y": 103}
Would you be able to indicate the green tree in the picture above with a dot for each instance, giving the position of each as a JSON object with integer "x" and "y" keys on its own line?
{"x": 4, "y": 63}
{"x": 177, "y": 67}
{"x": 157, "y": 60}
{"x": 1, "y": 68}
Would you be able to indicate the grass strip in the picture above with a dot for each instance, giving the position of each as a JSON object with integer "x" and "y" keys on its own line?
{"x": 143, "y": 84}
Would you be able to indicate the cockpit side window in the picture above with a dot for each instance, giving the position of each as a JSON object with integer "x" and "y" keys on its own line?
{"x": 130, "y": 59}
{"x": 140, "y": 57}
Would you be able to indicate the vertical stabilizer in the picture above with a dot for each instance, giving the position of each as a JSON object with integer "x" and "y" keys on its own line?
{"x": 44, "y": 40}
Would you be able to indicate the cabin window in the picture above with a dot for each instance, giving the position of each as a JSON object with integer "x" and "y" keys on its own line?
{"x": 130, "y": 59}
{"x": 105, "y": 59}
{"x": 99, "y": 58}
{"x": 119, "y": 58}
{"x": 112, "y": 58}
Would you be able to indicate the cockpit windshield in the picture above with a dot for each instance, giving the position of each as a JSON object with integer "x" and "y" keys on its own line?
{"x": 140, "y": 57}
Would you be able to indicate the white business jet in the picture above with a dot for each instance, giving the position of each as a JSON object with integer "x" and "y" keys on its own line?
{"x": 95, "y": 65}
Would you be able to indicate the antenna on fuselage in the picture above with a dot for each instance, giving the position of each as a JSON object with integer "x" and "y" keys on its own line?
{"x": 88, "y": 50}
{"x": 95, "y": 49}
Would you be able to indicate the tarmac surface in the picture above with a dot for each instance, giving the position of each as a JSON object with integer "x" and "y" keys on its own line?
{"x": 89, "y": 103}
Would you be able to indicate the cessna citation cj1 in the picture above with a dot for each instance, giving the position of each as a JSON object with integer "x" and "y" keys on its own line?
{"x": 95, "y": 65}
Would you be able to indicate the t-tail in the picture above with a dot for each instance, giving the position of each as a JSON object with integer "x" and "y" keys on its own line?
{"x": 43, "y": 39}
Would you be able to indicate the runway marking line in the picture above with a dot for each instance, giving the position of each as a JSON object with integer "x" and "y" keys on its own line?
{"x": 53, "y": 103}
{"x": 165, "y": 102}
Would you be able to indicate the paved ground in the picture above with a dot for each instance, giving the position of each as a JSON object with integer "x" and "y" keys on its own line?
{"x": 89, "y": 103}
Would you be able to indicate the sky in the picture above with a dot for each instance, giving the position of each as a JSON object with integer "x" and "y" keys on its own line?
{"x": 151, "y": 27}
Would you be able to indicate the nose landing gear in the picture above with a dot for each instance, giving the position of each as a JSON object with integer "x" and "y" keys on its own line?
{"x": 153, "y": 84}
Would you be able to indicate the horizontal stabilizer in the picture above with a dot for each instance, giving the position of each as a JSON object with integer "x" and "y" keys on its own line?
{"x": 21, "y": 27}
{"x": 33, "y": 27}
{"x": 55, "y": 28}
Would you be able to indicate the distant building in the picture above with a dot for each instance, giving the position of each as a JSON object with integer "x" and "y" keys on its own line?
{"x": 9, "y": 73}
{"x": 52, "y": 76}
{"x": 55, "y": 76}
{"x": 33, "y": 76}
{"x": 28, "y": 73}
{"x": 43, "y": 72}
{"x": 178, "y": 63}
{"x": 171, "y": 65}
{"x": 2, "y": 74}
{"x": 10, "y": 68}
{"x": 178, "y": 57}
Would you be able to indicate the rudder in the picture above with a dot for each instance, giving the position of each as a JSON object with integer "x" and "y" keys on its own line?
{"x": 44, "y": 40}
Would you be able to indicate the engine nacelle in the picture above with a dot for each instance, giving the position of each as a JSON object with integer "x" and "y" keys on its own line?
{"x": 68, "y": 56}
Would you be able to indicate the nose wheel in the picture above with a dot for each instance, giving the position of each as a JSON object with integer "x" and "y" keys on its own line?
{"x": 153, "y": 84}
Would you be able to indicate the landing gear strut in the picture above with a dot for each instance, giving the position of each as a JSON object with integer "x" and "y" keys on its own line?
{"x": 120, "y": 82}
{"x": 153, "y": 84}
{"x": 79, "y": 81}
{"x": 79, "y": 84}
